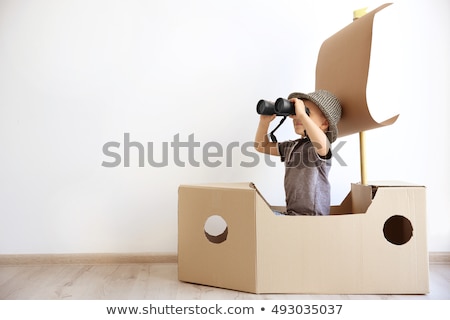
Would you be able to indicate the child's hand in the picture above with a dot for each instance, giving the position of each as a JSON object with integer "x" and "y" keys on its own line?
{"x": 300, "y": 109}
{"x": 267, "y": 118}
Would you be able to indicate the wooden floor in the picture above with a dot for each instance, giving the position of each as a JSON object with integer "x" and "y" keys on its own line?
{"x": 152, "y": 281}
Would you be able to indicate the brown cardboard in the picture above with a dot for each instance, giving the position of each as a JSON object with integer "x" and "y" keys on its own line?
{"x": 343, "y": 67}
{"x": 344, "y": 253}
{"x": 199, "y": 260}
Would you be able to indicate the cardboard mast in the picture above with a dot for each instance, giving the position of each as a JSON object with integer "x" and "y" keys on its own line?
{"x": 362, "y": 136}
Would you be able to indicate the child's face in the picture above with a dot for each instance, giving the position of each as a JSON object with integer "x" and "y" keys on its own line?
{"x": 316, "y": 116}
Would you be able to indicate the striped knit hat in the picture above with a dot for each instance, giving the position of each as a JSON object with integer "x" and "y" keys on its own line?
{"x": 328, "y": 104}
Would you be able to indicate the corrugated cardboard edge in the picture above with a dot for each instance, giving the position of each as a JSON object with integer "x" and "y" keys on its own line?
{"x": 253, "y": 186}
{"x": 234, "y": 185}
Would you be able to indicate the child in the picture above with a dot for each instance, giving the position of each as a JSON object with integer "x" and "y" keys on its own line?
{"x": 307, "y": 160}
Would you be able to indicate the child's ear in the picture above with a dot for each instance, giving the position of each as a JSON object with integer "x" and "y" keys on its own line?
{"x": 325, "y": 124}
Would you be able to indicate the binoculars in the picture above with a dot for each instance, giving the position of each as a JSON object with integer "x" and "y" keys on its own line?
{"x": 281, "y": 107}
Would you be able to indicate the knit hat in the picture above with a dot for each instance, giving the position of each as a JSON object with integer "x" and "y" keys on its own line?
{"x": 328, "y": 104}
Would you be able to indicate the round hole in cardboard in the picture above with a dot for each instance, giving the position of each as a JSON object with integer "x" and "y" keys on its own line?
{"x": 216, "y": 229}
{"x": 398, "y": 230}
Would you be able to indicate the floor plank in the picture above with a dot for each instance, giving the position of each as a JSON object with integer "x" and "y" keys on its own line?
{"x": 153, "y": 281}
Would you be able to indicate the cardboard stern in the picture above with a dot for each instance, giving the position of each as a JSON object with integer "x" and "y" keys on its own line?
{"x": 344, "y": 253}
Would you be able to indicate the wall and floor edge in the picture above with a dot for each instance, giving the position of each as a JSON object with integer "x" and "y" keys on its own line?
{"x": 128, "y": 258}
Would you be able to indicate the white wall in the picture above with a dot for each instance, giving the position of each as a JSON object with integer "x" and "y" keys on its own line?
{"x": 75, "y": 75}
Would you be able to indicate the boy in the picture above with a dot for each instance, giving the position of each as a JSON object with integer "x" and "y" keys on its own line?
{"x": 307, "y": 160}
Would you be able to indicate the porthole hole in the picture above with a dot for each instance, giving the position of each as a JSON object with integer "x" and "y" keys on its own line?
{"x": 398, "y": 230}
{"x": 216, "y": 229}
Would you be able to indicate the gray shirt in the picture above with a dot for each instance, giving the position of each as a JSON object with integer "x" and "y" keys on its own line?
{"x": 306, "y": 178}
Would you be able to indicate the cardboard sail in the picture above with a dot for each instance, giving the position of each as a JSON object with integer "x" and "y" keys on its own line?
{"x": 343, "y": 67}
